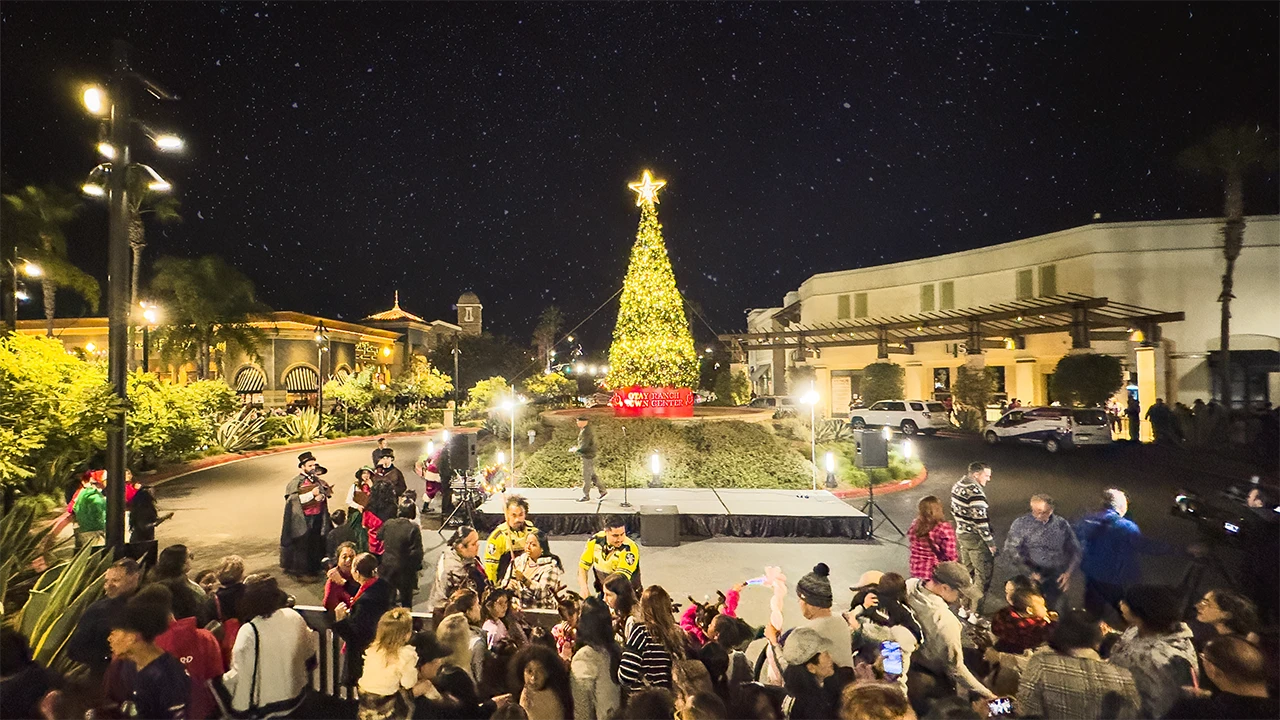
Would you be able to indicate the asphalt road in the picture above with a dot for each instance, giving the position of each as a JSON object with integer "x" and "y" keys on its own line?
{"x": 237, "y": 508}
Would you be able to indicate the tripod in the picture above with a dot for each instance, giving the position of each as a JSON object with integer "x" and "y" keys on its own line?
{"x": 871, "y": 507}
{"x": 626, "y": 449}
{"x": 466, "y": 502}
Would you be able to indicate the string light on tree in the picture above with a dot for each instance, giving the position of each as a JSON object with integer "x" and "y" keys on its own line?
{"x": 652, "y": 345}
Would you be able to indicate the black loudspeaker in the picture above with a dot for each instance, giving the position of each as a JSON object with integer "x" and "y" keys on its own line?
{"x": 873, "y": 449}
{"x": 462, "y": 452}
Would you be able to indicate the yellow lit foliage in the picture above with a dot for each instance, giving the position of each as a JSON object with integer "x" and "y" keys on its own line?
{"x": 652, "y": 345}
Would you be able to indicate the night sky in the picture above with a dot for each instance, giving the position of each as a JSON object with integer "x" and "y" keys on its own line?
{"x": 339, "y": 152}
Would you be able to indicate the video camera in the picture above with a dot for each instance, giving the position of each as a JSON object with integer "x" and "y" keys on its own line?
{"x": 1243, "y": 510}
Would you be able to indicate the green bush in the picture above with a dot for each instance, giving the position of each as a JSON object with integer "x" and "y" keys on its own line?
{"x": 168, "y": 422}
{"x": 970, "y": 419}
{"x": 385, "y": 418}
{"x": 1088, "y": 379}
{"x": 712, "y": 454}
{"x": 974, "y": 387}
{"x": 484, "y": 395}
{"x": 54, "y": 409}
{"x": 303, "y": 426}
{"x": 277, "y": 442}
{"x": 882, "y": 381}
{"x": 240, "y": 433}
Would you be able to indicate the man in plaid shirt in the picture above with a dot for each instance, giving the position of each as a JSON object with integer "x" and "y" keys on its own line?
{"x": 1071, "y": 681}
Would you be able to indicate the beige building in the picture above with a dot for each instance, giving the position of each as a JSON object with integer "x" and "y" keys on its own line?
{"x": 1146, "y": 292}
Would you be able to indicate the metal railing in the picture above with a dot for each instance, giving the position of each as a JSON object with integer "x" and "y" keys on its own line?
{"x": 327, "y": 676}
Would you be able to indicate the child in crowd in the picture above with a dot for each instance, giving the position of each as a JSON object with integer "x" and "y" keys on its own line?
{"x": 390, "y": 669}
{"x": 1025, "y": 624}
{"x": 697, "y": 618}
{"x": 565, "y": 631}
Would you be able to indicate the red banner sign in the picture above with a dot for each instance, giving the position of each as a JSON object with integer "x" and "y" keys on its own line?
{"x": 639, "y": 401}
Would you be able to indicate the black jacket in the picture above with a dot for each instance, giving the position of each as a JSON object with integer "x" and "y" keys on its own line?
{"x": 361, "y": 624}
{"x": 587, "y": 442}
{"x": 401, "y": 549}
{"x": 391, "y": 475}
{"x": 88, "y": 643}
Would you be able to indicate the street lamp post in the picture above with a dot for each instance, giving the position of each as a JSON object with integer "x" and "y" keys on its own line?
{"x": 811, "y": 399}
{"x": 150, "y": 313}
{"x": 115, "y": 107}
{"x": 322, "y": 339}
{"x": 12, "y": 294}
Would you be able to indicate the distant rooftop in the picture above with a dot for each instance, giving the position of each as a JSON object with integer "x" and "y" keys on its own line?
{"x": 395, "y": 313}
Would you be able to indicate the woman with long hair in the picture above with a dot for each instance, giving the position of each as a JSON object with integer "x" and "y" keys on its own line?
{"x": 459, "y": 567}
{"x": 596, "y": 657}
{"x": 654, "y": 642}
{"x": 1229, "y": 613}
{"x": 340, "y": 585}
{"x": 620, "y": 596}
{"x": 540, "y": 682}
{"x": 390, "y": 669}
{"x": 932, "y": 539}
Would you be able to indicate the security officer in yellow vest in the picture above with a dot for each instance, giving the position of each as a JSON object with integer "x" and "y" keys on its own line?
{"x": 508, "y": 537}
{"x": 609, "y": 551}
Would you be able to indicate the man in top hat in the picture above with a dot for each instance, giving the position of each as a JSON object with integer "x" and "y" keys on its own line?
{"x": 306, "y": 519}
{"x": 586, "y": 449}
{"x": 385, "y": 470}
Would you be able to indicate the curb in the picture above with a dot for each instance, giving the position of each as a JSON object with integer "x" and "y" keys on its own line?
{"x": 901, "y": 485}
{"x": 176, "y": 471}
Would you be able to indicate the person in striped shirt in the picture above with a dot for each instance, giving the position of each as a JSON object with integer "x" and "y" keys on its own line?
{"x": 653, "y": 642}
{"x": 976, "y": 544}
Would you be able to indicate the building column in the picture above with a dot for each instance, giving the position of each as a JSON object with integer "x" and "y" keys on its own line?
{"x": 822, "y": 383}
{"x": 1148, "y": 379}
{"x": 1024, "y": 382}
{"x": 917, "y": 383}
{"x": 778, "y": 374}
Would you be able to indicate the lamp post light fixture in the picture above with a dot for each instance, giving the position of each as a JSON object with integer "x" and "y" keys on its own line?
{"x": 887, "y": 433}
{"x": 655, "y": 468}
{"x": 16, "y": 267}
{"x": 113, "y": 105}
{"x": 831, "y": 469}
{"x": 811, "y": 399}
{"x": 322, "y": 342}
{"x": 908, "y": 449}
{"x": 151, "y": 314}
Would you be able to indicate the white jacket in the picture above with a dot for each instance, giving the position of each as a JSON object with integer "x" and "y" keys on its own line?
{"x": 286, "y": 644}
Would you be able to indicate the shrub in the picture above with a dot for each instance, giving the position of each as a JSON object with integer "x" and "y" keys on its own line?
{"x": 303, "y": 426}
{"x": 168, "y": 421}
{"x": 242, "y": 432}
{"x": 482, "y": 397}
{"x": 54, "y": 409}
{"x": 1088, "y": 379}
{"x": 385, "y": 418}
{"x": 422, "y": 382}
{"x": 971, "y": 419}
{"x": 882, "y": 381}
{"x": 833, "y": 430}
{"x": 548, "y": 387}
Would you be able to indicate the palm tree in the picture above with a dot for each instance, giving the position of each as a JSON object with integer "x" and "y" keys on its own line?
{"x": 208, "y": 304}
{"x": 145, "y": 201}
{"x": 37, "y": 217}
{"x": 1230, "y": 153}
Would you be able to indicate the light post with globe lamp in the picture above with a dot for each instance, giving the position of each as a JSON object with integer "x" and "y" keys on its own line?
{"x": 151, "y": 314}
{"x": 13, "y": 293}
{"x": 811, "y": 399}
{"x": 110, "y": 180}
{"x": 322, "y": 341}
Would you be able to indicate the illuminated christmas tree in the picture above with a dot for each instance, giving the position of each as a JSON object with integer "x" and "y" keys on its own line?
{"x": 652, "y": 345}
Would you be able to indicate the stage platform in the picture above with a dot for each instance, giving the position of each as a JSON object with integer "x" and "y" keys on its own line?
{"x": 702, "y": 512}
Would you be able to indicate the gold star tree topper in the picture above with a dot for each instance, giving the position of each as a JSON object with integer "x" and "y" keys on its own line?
{"x": 647, "y": 189}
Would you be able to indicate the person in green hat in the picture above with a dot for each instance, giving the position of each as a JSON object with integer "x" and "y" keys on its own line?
{"x": 357, "y": 498}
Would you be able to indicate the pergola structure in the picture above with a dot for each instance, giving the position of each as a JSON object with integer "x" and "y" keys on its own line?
{"x": 1003, "y": 325}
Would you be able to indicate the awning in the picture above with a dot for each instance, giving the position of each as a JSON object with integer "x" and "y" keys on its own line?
{"x": 250, "y": 380}
{"x": 302, "y": 379}
{"x": 1000, "y": 325}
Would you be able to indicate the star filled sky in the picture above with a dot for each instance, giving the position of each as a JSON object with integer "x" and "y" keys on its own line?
{"x": 339, "y": 152}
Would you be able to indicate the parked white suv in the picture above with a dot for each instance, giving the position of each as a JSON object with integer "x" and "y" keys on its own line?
{"x": 909, "y": 416}
{"x": 1057, "y": 428}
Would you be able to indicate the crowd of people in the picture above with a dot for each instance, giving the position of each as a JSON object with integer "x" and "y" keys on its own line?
{"x": 166, "y": 643}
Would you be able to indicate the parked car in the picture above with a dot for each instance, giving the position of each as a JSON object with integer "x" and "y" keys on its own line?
{"x": 600, "y": 399}
{"x": 909, "y": 416}
{"x": 1057, "y": 428}
{"x": 775, "y": 402}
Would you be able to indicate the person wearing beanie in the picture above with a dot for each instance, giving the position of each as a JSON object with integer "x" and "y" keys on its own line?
{"x": 814, "y": 593}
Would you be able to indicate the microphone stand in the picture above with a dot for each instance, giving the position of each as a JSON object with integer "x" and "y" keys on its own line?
{"x": 626, "y": 449}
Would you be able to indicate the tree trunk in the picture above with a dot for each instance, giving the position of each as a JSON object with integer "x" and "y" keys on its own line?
{"x": 49, "y": 287}
{"x": 1232, "y": 242}
{"x": 50, "y": 302}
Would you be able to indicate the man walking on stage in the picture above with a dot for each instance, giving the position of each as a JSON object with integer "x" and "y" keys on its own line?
{"x": 586, "y": 448}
